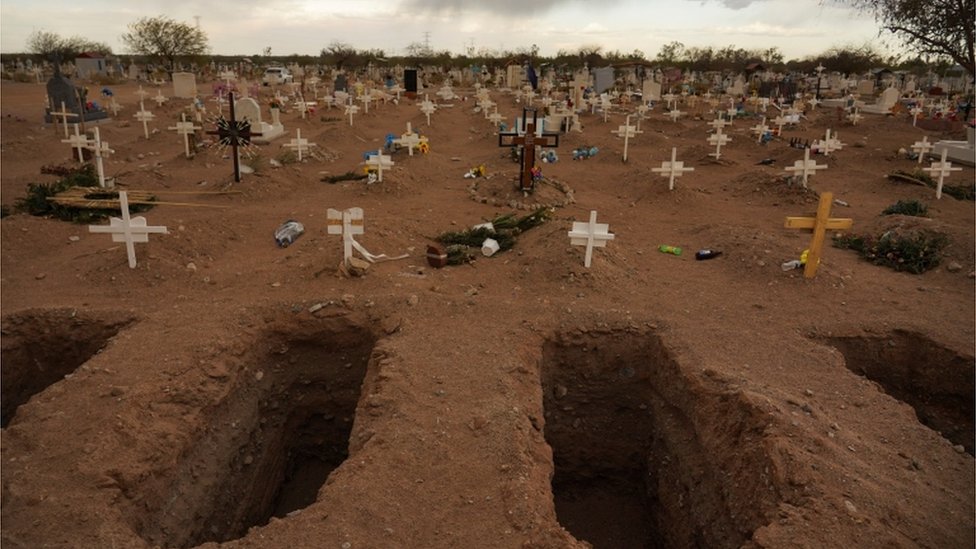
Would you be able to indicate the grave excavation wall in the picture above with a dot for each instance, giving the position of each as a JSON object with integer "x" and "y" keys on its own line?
{"x": 646, "y": 456}
{"x": 41, "y": 347}
{"x": 934, "y": 380}
{"x": 272, "y": 442}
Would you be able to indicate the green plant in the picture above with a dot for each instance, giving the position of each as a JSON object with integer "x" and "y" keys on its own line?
{"x": 287, "y": 156}
{"x": 460, "y": 244}
{"x": 909, "y": 207}
{"x": 348, "y": 176}
{"x": 915, "y": 253}
{"x": 36, "y": 201}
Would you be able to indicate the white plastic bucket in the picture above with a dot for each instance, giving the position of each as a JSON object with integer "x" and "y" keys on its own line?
{"x": 489, "y": 247}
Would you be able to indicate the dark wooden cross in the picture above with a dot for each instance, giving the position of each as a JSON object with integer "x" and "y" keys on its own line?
{"x": 233, "y": 133}
{"x": 528, "y": 142}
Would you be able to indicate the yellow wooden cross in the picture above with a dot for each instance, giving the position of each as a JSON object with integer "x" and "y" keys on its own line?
{"x": 819, "y": 224}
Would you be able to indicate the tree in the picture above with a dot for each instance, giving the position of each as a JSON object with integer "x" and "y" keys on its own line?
{"x": 165, "y": 39}
{"x": 339, "y": 53}
{"x": 929, "y": 27}
{"x": 671, "y": 53}
{"x": 51, "y": 45}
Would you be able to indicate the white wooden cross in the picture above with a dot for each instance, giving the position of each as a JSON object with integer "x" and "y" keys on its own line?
{"x": 380, "y": 162}
{"x": 855, "y": 116}
{"x": 590, "y": 234}
{"x": 674, "y": 114}
{"x": 128, "y": 230}
{"x": 185, "y": 129}
{"x": 672, "y": 169}
{"x": 605, "y": 106}
{"x": 351, "y": 110}
{"x": 427, "y": 107}
{"x": 100, "y": 148}
{"x": 529, "y": 95}
{"x": 64, "y": 115}
{"x": 160, "y": 98}
{"x": 78, "y": 142}
{"x": 806, "y": 167}
{"x": 922, "y": 148}
{"x": 830, "y": 144}
{"x": 144, "y": 116}
{"x": 298, "y": 144}
{"x": 780, "y": 121}
{"x": 397, "y": 89}
{"x": 719, "y": 123}
{"x": 760, "y": 130}
{"x": 446, "y": 93}
{"x": 915, "y": 111}
{"x": 626, "y": 131}
{"x": 114, "y": 106}
{"x": 347, "y": 223}
{"x": 669, "y": 99}
{"x": 718, "y": 139}
{"x": 495, "y": 118}
{"x": 410, "y": 140}
{"x": 313, "y": 82}
{"x": 304, "y": 107}
{"x": 366, "y": 99}
{"x": 143, "y": 94}
{"x": 813, "y": 102}
{"x": 764, "y": 103}
{"x": 941, "y": 169}
{"x": 486, "y": 105}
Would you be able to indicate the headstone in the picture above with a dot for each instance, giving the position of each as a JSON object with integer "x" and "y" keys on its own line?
{"x": 865, "y": 87}
{"x": 410, "y": 81}
{"x": 341, "y": 84}
{"x": 889, "y": 98}
{"x": 590, "y": 234}
{"x": 514, "y": 75}
{"x": 820, "y": 224}
{"x": 128, "y": 230}
{"x": 184, "y": 85}
{"x": 651, "y": 91}
{"x": 249, "y": 109}
{"x": 60, "y": 91}
{"x": 603, "y": 79}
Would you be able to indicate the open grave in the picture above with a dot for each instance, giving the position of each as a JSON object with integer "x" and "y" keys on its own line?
{"x": 934, "y": 380}
{"x": 645, "y": 456}
{"x": 41, "y": 347}
{"x": 270, "y": 444}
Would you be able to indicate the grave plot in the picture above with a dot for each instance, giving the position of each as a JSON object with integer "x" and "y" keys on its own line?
{"x": 274, "y": 439}
{"x": 934, "y": 380}
{"x": 41, "y": 347}
{"x": 644, "y": 456}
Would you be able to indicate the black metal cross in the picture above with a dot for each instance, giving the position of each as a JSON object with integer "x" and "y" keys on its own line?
{"x": 233, "y": 133}
{"x": 528, "y": 142}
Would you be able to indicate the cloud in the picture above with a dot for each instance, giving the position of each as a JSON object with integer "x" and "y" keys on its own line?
{"x": 763, "y": 29}
{"x": 495, "y": 7}
{"x": 733, "y": 4}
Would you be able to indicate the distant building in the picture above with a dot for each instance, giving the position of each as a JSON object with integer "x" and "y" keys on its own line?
{"x": 89, "y": 64}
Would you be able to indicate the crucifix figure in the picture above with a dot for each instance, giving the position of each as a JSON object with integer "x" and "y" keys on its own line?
{"x": 528, "y": 141}
{"x": 233, "y": 133}
{"x": 820, "y": 224}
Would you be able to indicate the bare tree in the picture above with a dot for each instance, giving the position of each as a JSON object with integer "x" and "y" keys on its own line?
{"x": 166, "y": 39}
{"x": 51, "y": 45}
{"x": 339, "y": 54}
{"x": 928, "y": 27}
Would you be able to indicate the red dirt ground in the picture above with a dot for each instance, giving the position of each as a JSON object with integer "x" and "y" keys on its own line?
{"x": 666, "y": 402}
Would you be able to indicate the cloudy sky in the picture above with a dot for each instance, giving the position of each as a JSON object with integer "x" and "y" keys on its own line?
{"x": 246, "y": 27}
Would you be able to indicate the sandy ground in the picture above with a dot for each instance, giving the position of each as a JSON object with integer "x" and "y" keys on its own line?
{"x": 523, "y": 400}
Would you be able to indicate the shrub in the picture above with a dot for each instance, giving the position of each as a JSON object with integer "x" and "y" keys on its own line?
{"x": 914, "y": 252}
{"x": 910, "y": 207}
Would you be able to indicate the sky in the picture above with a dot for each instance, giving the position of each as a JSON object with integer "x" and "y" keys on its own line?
{"x": 246, "y": 27}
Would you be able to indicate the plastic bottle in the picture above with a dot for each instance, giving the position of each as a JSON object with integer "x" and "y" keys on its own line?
{"x": 701, "y": 255}
{"x": 669, "y": 249}
{"x": 288, "y": 233}
{"x": 790, "y": 265}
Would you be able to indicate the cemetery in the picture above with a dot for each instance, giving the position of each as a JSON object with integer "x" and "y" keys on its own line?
{"x": 493, "y": 330}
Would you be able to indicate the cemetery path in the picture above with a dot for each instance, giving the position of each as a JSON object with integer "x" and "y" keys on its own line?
{"x": 228, "y": 390}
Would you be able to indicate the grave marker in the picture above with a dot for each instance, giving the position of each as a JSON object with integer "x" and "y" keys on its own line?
{"x": 160, "y": 98}
{"x": 590, "y": 234}
{"x": 142, "y": 94}
{"x": 674, "y": 114}
{"x": 233, "y": 133}
{"x": 410, "y": 140}
{"x": 144, "y": 116}
{"x": 922, "y": 148}
{"x": 855, "y": 116}
{"x": 349, "y": 223}
{"x": 380, "y": 162}
{"x": 820, "y": 224}
{"x": 351, "y": 110}
{"x": 185, "y": 129}
{"x": 672, "y": 169}
{"x": 64, "y": 115}
{"x": 760, "y": 130}
{"x": 718, "y": 139}
{"x": 298, "y": 144}
{"x": 128, "y": 230}
{"x": 528, "y": 142}
{"x": 79, "y": 143}
{"x": 100, "y": 148}
{"x": 806, "y": 167}
{"x": 626, "y": 131}
{"x": 941, "y": 169}
{"x": 427, "y": 107}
